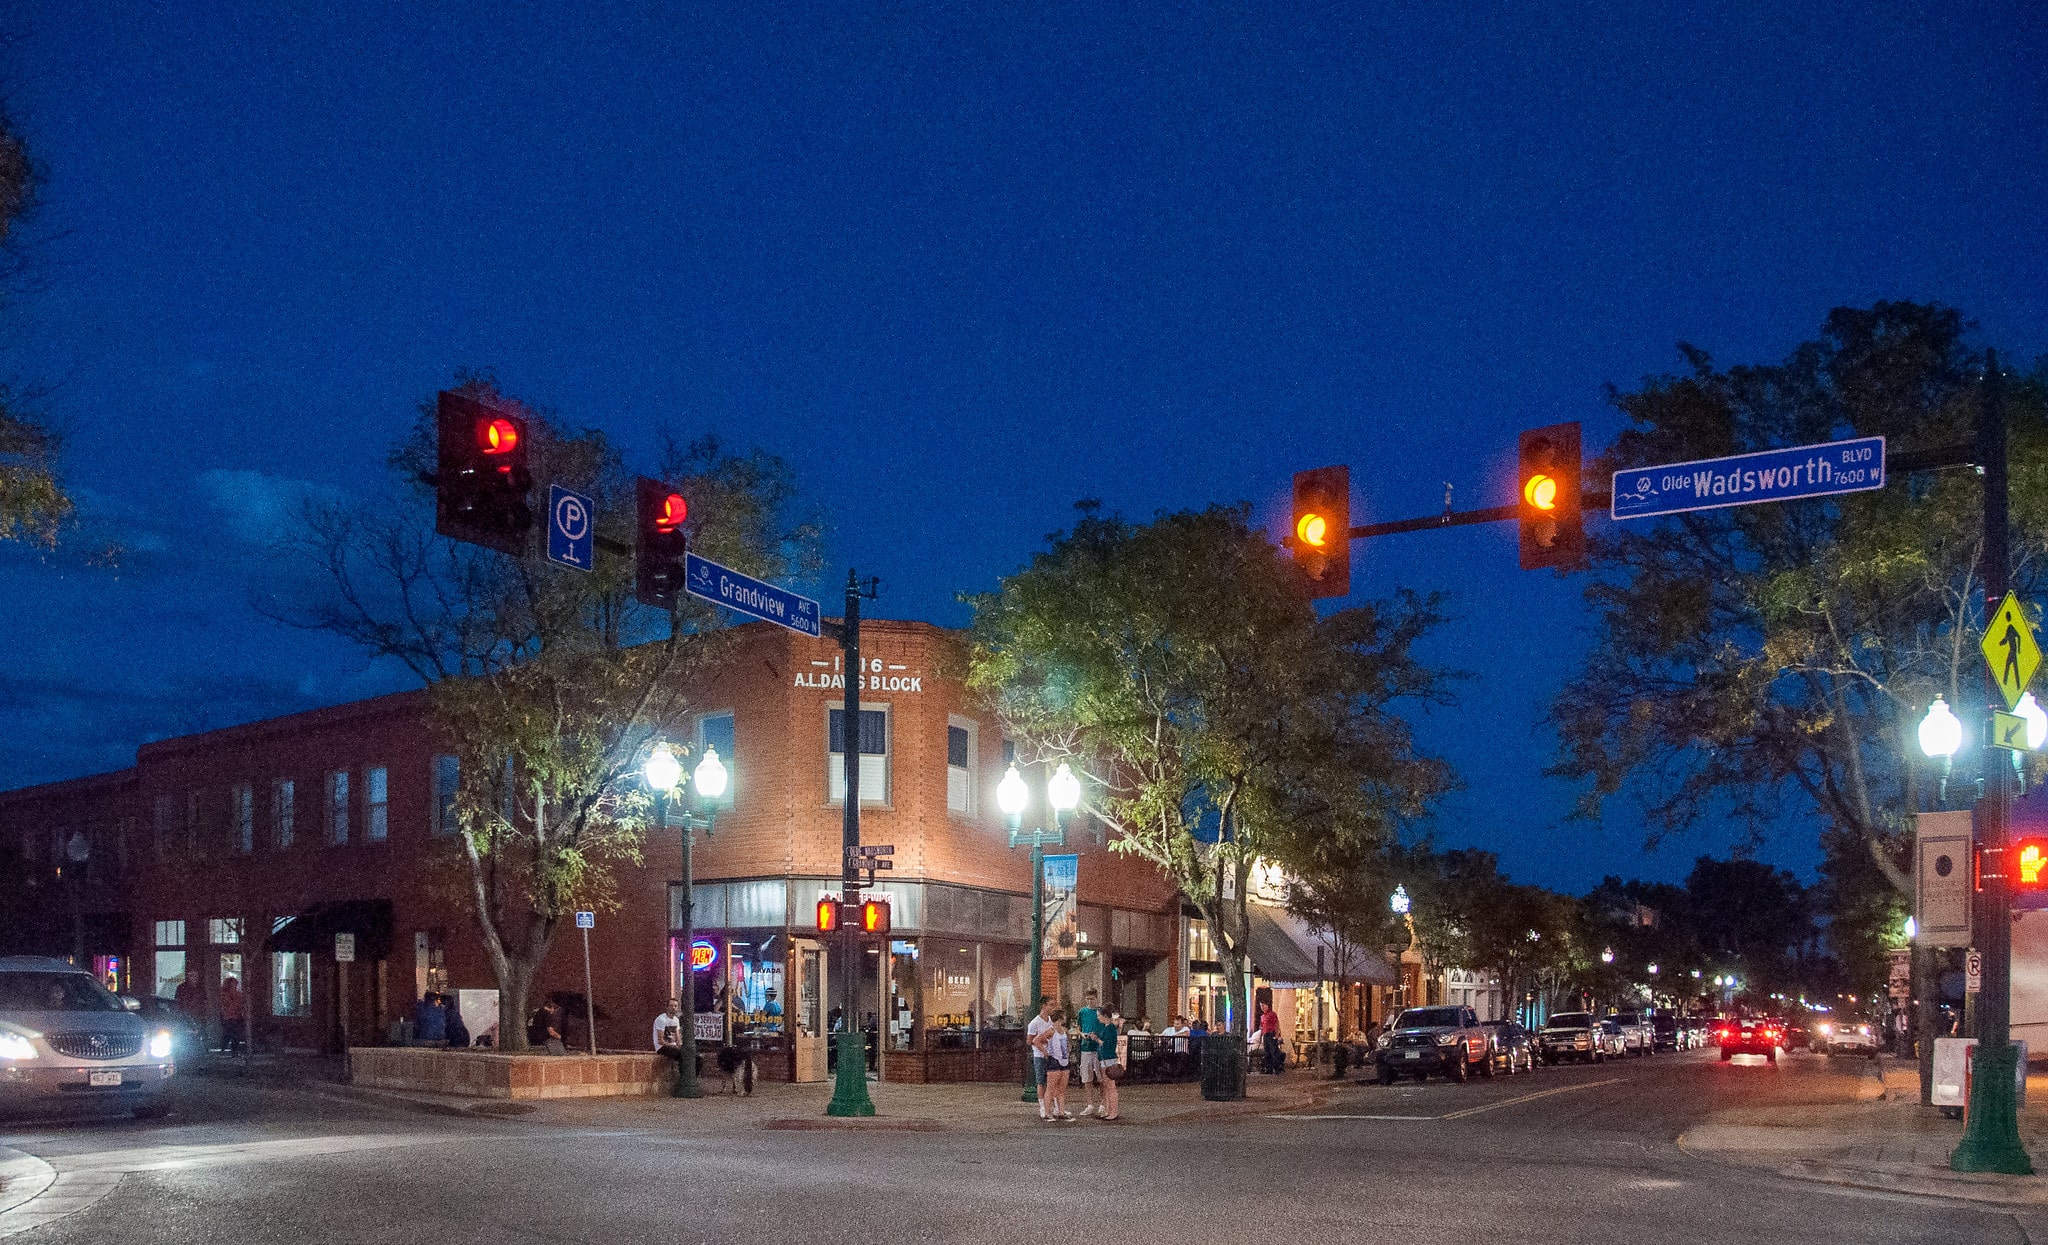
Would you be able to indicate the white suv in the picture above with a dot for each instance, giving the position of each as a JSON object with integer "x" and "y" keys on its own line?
{"x": 65, "y": 1038}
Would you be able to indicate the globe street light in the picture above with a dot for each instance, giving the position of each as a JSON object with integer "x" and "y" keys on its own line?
{"x": 1941, "y": 732}
{"x": 1399, "y": 901}
{"x": 1063, "y": 793}
{"x": 663, "y": 773}
{"x": 1607, "y": 955}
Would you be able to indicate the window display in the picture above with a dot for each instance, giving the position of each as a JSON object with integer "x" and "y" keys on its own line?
{"x": 754, "y": 982}
{"x": 1006, "y": 995}
{"x": 952, "y": 999}
{"x": 902, "y": 994}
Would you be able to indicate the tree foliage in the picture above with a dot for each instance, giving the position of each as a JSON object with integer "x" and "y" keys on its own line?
{"x": 1750, "y": 653}
{"x": 33, "y": 504}
{"x": 1213, "y": 717}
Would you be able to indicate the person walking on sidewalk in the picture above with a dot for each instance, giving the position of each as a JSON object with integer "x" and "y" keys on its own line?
{"x": 231, "y": 1014}
{"x": 1269, "y": 1037}
{"x": 1089, "y": 1019}
{"x": 1040, "y": 1025}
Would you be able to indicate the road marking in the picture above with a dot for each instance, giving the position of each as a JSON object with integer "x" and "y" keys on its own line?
{"x": 1541, "y": 1093}
{"x": 1353, "y": 1117}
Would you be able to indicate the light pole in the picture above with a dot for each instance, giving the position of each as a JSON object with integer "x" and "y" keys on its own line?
{"x": 663, "y": 772}
{"x": 1063, "y": 792}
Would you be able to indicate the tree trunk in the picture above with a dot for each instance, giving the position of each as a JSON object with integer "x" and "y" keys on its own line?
{"x": 515, "y": 989}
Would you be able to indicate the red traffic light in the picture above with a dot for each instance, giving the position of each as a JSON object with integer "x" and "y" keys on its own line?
{"x": 497, "y": 435}
{"x": 874, "y": 916}
{"x": 671, "y": 513}
{"x": 828, "y": 914}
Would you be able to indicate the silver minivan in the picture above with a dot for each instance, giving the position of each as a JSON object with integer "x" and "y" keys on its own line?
{"x": 65, "y": 1038}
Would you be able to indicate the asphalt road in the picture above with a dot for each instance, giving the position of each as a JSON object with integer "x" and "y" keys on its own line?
{"x": 1573, "y": 1154}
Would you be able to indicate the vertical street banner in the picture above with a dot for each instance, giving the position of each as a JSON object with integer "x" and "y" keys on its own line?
{"x": 1944, "y": 879}
{"x": 1062, "y": 908}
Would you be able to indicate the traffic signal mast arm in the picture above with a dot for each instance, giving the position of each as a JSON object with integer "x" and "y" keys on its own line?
{"x": 1454, "y": 518}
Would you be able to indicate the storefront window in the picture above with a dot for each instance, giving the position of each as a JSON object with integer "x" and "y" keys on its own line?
{"x": 903, "y": 991}
{"x": 952, "y": 998}
{"x": 1005, "y": 994}
{"x": 291, "y": 983}
{"x": 754, "y": 976}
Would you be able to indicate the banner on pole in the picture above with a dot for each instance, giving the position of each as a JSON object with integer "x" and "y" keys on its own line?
{"x": 1062, "y": 908}
{"x": 1943, "y": 879}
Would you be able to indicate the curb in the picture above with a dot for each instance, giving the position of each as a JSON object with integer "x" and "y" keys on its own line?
{"x": 484, "y": 1108}
{"x": 22, "y": 1178}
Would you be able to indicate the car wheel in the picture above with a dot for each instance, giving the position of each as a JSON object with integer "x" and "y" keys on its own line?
{"x": 1486, "y": 1066}
{"x": 1772, "y": 1057}
{"x": 1726, "y": 1054}
{"x": 1457, "y": 1070}
{"x": 1386, "y": 1075}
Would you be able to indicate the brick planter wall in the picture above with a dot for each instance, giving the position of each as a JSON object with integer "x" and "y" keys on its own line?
{"x": 473, "y": 1074}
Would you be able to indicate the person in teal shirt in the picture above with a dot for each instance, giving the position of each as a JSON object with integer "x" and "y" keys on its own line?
{"x": 1089, "y": 1018}
{"x": 1108, "y": 1031}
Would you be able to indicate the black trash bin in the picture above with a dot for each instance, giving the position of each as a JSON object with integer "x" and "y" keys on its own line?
{"x": 1223, "y": 1067}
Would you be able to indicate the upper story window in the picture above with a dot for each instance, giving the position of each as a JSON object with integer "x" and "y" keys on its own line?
{"x": 337, "y": 806}
{"x": 242, "y": 807}
{"x": 376, "y": 804}
{"x": 873, "y": 747}
{"x": 284, "y": 811}
{"x": 164, "y": 813}
{"x": 960, "y": 757}
{"x": 714, "y": 730}
{"x": 447, "y": 782}
{"x": 192, "y": 819}
{"x": 170, "y": 933}
{"x": 224, "y": 931}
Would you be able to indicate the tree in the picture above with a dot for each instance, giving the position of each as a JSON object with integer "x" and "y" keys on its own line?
{"x": 1214, "y": 718}
{"x": 1754, "y": 652}
{"x": 549, "y": 685}
{"x": 33, "y": 504}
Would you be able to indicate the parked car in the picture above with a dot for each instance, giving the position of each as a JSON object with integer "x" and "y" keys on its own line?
{"x": 64, "y": 1037}
{"x": 1636, "y": 1032}
{"x": 1666, "y": 1032}
{"x": 1794, "y": 1034}
{"x": 1752, "y": 1036}
{"x": 1842, "y": 1035}
{"x": 1577, "y": 1036}
{"x": 1513, "y": 1047}
{"x": 1423, "y": 1040}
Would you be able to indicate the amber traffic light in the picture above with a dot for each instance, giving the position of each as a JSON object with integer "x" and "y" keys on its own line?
{"x": 481, "y": 479}
{"x": 1321, "y": 533}
{"x": 659, "y": 543}
{"x": 1553, "y": 530}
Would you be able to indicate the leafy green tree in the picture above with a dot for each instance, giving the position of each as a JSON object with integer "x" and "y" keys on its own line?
{"x": 1754, "y": 654}
{"x": 33, "y": 504}
{"x": 1215, "y": 720}
{"x": 548, "y": 685}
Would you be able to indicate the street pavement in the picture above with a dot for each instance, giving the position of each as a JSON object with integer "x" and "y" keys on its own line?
{"x": 1581, "y": 1154}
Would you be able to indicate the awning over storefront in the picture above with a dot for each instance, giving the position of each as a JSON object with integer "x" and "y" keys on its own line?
{"x": 1283, "y": 951}
{"x": 313, "y": 930}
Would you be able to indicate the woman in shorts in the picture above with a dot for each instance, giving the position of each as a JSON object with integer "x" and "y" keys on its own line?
{"x": 1057, "y": 1063}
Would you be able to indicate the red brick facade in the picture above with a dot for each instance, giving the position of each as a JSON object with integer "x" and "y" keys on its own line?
{"x": 192, "y": 834}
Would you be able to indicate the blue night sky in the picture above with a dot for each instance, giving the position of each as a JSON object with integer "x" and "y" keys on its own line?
{"x": 960, "y": 269}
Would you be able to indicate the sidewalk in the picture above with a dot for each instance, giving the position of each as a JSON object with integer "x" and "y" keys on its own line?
{"x": 779, "y": 1106}
{"x": 1885, "y": 1140}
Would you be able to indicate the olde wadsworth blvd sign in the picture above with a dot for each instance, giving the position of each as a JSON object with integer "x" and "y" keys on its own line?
{"x": 1746, "y": 479}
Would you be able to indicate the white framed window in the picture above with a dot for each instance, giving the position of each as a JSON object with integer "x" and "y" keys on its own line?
{"x": 376, "y": 804}
{"x": 242, "y": 806}
{"x": 872, "y": 743}
{"x": 284, "y": 811}
{"x": 447, "y": 782}
{"x": 961, "y": 754}
{"x": 337, "y": 806}
{"x": 170, "y": 933}
{"x": 714, "y": 730}
{"x": 291, "y": 983}
{"x": 170, "y": 956}
{"x": 224, "y": 931}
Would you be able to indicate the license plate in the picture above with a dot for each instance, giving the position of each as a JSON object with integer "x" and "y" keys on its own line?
{"x": 102, "y": 1080}
{"x": 1413, "y": 1054}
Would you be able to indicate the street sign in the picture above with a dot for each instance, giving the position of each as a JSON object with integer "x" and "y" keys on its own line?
{"x": 2011, "y": 651}
{"x": 572, "y": 527}
{"x": 1943, "y": 879}
{"x": 743, "y": 594}
{"x": 2008, "y": 730}
{"x": 344, "y": 948}
{"x": 1973, "y": 971}
{"x": 874, "y": 849}
{"x": 586, "y": 920}
{"x": 1746, "y": 479}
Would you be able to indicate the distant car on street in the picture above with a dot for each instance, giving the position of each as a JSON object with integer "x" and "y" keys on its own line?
{"x": 1669, "y": 1034}
{"x": 1751, "y": 1036}
{"x": 1579, "y": 1037}
{"x": 1423, "y": 1040}
{"x": 1513, "y": 1047}
{"x": 1637, "y": 1035}
{"x": 1843, "y": 1035}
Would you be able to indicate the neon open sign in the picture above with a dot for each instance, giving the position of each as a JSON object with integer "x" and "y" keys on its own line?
{"x": 703, "y": 955}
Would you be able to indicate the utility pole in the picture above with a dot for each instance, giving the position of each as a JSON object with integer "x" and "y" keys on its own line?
{"x": 1991, "y": 1139}
{"x": 850, "y": 1087}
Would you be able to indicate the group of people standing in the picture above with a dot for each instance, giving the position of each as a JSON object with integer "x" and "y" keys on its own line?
{"x": 1095, "y": 1045}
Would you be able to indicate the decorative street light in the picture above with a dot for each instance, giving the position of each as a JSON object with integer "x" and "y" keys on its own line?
{"x": 1941, "y": 732}
{"x": 1063, "y": 792}
{"x": 1607, "y": 955}
{"x": 663, "y": 773}
{"x": 1399, "y": 901}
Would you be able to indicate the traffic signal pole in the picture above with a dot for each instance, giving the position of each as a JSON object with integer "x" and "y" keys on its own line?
{"x": 1991, "y": 1138}
{"x": 850, "y": 1087}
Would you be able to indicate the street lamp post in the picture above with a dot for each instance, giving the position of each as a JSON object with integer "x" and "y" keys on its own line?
{"x": 663, "y": 772}
{"x": 1063, "y": 792}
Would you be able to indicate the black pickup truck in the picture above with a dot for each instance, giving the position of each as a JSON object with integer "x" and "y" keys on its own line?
{"x": 1423, "y": 1040}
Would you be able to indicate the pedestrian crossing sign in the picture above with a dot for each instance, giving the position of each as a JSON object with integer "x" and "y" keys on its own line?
{"x": 2010, "y": 650}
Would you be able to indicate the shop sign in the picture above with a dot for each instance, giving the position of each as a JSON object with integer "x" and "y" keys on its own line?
{"x": 876, "y": 675}
{"x": 1062, "y": 908}
{"x": 703, "y": 954}
{"x": 710, "y": 1026}
{"x": 344, "y": 948}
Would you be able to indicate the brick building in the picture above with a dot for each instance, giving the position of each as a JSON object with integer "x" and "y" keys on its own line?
{"x": 243, "y": 852}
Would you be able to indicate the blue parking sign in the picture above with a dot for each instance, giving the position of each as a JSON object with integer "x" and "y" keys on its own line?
{"x": 572, "y": 527}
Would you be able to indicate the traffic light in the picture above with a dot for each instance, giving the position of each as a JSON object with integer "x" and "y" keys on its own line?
{"x": 481, "y": 480}
{"x": 874, "y": 916}
{"x": 658, "y": 551}
{"x": 1321, "y": 535}
{"x": 1553, "y": 528}
{"x": 2026, "y": 879}
{"x": 828, "y": 914}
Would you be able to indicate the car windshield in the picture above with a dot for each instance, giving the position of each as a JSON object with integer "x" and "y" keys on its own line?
{"x": 1571, "y": 1020}
{"x": 1627, "y": 1018}
{"x": 1429, "y": 1018}
{"x": 55, "y": 992}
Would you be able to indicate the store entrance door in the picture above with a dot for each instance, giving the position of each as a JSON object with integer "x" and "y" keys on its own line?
{"x": 808, "y": 1033}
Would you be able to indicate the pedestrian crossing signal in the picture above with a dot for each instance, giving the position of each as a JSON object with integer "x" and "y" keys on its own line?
{"x": 2026, "y": 875}
{"x": 828, "y": 914}
{"x": 1321, "y": 535}
{"x": 874, "y": 916}
{"x": 1553, "y": 529}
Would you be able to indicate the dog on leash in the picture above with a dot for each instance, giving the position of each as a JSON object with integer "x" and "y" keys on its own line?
{"x": 738, "y": 1070}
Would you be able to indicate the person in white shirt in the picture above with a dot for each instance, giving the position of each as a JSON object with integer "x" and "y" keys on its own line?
{"x": 1039, "y": 1025}
{"x": 1053, "y": 1041}
{"x": 670, "y": 1019}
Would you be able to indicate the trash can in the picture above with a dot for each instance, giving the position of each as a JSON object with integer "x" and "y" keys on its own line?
{"x": 1223, "y": 1067}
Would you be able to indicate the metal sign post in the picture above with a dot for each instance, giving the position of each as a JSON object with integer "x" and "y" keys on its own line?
{"x": 584, "y": 922}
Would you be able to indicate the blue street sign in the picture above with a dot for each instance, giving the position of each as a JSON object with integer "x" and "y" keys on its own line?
{"x": 572, "y": 527}
{"x": 743, "y": 594}
{"x": 1745, "y": 479}
{"x": 586, "y": 920}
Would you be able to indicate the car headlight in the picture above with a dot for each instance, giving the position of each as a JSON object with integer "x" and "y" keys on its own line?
{"x": 160, "y": 1044}
{"x": 1384, "y": 1041}
{"x": 1446, "y": 1039}
{"x": 15, "y": 1046}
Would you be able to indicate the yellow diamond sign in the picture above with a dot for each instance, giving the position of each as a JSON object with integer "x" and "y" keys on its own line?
{"x": 2010, "y": 650}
